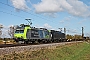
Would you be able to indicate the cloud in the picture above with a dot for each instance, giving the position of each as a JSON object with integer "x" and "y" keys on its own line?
{"x": 78, "y": 8}
{"x": 47, "y": 26}
{"x": 47, "y": 6}
{"x": 66, "y": 21}
{"x": 51, "y": 15}
{"x": 62, "y": 21}
{"x": 20, "y": 5}
{"x": 74, "y": 7}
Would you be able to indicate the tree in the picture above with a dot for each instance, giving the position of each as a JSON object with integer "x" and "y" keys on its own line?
{"x": 77, "y": 37}
{"x": 11, "y": 31}
{"x": 69, "y": 36}
{"x": 73, "y": 36}
{"x": 1, "y": 26}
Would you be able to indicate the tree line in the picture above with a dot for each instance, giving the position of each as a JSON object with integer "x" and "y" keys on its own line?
{"x": 73, "y": 36}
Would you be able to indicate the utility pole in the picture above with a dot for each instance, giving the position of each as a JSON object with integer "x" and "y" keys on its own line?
{"x": 65, "y": 32}
{"x": 82, "y": 32}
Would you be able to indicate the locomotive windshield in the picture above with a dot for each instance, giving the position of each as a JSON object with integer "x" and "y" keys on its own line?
{"x": 19, "y": 31}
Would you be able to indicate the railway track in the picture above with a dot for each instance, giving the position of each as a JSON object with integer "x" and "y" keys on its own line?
{"x": 15, "y": 45}
{"x": 18, "y": 49}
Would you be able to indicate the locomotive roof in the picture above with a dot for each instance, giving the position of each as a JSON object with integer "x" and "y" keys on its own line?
{"x": 20, "y": 28}
{"x": 38, "y": 28}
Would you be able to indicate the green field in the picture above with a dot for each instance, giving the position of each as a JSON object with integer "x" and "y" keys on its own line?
{"x": 78, "y": 51}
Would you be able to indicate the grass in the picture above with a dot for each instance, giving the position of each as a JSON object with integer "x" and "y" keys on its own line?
{"x": 78, "y": 51}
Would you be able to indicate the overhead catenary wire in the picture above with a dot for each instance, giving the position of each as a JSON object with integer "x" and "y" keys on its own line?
{"x": 10, "y": 14}
{"x": 23, "y": 10}
{"x": 28, "y": 13}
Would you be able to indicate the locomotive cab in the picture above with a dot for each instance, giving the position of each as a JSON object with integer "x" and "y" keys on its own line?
{"x": 20, "y": 33}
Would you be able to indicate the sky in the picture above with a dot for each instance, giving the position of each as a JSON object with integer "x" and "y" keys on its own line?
{"x": 50, "y": 14}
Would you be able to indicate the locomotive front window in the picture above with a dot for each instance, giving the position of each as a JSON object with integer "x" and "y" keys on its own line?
{"x": 19, "y": 31}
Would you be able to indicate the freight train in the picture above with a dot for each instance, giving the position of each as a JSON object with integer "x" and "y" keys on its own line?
{"x": 27, "y": 34}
